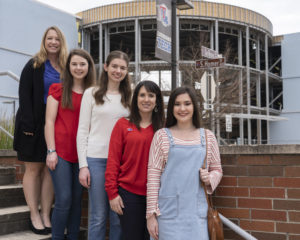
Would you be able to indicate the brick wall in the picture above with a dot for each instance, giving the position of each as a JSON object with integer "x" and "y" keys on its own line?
{"x": 260, "y": 190}
{"x": 9, "y": 158}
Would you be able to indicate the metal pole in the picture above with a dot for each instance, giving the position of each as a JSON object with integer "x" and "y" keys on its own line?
{"x": 240, "y": 54}
{"x": 258, "y": 89}
{"x": 100, "y": 48}
{"x": 137, "y": 51}
{"x": 174, "y": 43}
{"x": 6, "y": 132}
{"x": 14, "y": 109}
{"x": 217, "y": 75}
{"x": 248, "y": 84}
{"x": 267, "y": 86}
{"x": 236, "y": 228}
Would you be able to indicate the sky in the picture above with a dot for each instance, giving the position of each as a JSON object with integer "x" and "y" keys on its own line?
{"x": 284, "y": 15}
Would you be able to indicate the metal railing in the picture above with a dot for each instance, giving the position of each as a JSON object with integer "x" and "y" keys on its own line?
{"x": 16, "y": 78}
{"x": 10, "y": 74}
{"x": 236, "y": 228}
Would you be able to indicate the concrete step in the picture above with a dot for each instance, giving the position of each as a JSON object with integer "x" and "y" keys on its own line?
{"x": 14, "y": 219}
{"x": 14, "y": 224}
{"x": 28, "y": 235}
{"x": 24, "y": 235}
{"x": 11, "y": 195}
{"x": 7, "y": 175}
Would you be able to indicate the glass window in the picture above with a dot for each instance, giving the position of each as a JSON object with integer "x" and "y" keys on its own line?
{"x": 195, "y": 27}
{"x": 129, "y": 28}
{"x": 147, "y": 27}
{"x": 185, "y": 26}
{"x": 228, "y": 47}
{"x": 121, "y": 29}
{"x": 203, "y": 27}
{"x": 94, "y": 43}
{"x": 124, "y": 42}
{"x": 113, "y": 30}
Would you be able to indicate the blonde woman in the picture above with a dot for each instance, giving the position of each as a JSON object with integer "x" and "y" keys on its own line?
{"x": 29, "y": 141}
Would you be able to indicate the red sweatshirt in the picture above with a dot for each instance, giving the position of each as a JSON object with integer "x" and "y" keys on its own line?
{"x": 127, "y": 161}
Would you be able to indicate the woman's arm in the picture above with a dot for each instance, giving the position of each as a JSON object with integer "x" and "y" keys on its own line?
{"x": 84, "y": 126}
{"x": 26, "y": 98}
{"x": 51, "y": 113}
{"x": 213, "y": 162}
{"x": 113, "y": 165}
{"x": 157, "y": 160}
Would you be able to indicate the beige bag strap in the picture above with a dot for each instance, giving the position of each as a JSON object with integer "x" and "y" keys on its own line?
{"x": 208, "y": 199}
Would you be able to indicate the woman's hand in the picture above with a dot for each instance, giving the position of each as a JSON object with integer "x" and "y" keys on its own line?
{"x": 28, "y": 133}
{"x": 116, "y": 205}
{"x": 85, "y": 177}
{"x": 152, "y": 226}
{"x": 51, "y": 160}
{"x": 204, "y": 176}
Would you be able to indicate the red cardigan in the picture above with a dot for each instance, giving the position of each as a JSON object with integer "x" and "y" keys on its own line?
{"x": 127, "y": 161}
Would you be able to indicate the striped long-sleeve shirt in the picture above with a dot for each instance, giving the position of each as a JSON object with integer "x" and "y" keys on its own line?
{"x": 158, "y": 158}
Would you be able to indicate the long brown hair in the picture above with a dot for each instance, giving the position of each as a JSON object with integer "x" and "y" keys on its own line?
{"x": 171, "y": 120}
{"x": 124, "y": 87}
{"x": 41, "y": 56}
{"x": 67, "y": 80}
{"x": 158, "y": 116}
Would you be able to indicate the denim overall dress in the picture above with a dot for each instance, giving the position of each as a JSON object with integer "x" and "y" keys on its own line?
{"x": 181, "y": 200}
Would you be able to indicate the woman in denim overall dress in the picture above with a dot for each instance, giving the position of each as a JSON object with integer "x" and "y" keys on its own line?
{"x": 176, "y": 203}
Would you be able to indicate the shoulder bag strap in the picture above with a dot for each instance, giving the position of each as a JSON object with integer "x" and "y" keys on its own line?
{"x": 209, "y": 200}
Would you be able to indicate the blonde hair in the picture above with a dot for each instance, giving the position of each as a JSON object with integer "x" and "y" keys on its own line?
{"x": 41, "y": 56}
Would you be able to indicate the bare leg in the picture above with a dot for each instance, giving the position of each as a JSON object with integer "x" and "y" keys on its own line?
{"x": 32, "y": 190}
{"x": 47, "y": 195}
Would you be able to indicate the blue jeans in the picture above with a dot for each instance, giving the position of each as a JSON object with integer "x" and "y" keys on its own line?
{"x": 99, "y": 208}
{"x": 67, "y": 208}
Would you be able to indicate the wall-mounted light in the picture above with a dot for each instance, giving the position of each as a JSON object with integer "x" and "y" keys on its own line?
{"x": 184, "y": 4}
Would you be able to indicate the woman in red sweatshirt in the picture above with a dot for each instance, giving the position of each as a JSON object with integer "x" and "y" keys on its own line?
{"x": 126, "y": 170}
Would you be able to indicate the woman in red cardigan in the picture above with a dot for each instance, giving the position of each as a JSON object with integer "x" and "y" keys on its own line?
{"x": 126, "y": 170}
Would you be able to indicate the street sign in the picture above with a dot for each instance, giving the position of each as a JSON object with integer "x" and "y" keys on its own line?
{"x": 209, "y": 53}
{"x": 228, "y": 123}
{"x": 210, "y": 63}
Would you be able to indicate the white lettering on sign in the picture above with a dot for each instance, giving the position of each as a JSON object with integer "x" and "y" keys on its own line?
{"x": 210, "y": 63}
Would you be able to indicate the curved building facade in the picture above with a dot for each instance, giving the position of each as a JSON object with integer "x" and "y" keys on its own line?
{"x": 248, "y": 87}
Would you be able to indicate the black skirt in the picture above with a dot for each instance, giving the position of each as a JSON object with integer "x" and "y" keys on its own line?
{"x": 36, "y": 152}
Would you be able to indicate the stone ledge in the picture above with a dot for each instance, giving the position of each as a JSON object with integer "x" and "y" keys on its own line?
{"x": 7, "y": 153}
{"x": 225, "y": 150}
{"x": 260, "y": 149}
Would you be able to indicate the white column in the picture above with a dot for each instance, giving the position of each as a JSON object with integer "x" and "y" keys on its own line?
{"x": 267, "y": 86}
{"x": 217, "y": 110}
{"x": 240, "y": 58}
{"x": 137, "y": 50}
{"x": 248, "y": 84}
{"x": 100, "y": 47}
{"x": 258, "y": 89}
